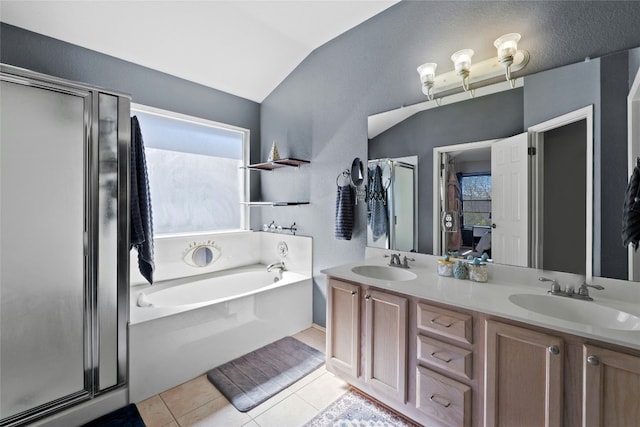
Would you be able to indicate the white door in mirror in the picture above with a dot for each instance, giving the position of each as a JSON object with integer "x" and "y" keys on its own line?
{"x": 509, "y": 200}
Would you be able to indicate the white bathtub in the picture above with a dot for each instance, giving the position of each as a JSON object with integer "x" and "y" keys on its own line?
{"x": 181, "y": 328}
{"x": 187, "y": 293}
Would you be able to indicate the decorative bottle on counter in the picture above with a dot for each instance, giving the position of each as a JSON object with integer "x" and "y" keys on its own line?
{"x": 478, "y": 272}
{"x": 445, "y": 266}
{"x": 460, "y": 270}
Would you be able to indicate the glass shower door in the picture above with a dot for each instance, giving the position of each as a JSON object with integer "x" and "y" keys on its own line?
{"x": 42, "y": 247}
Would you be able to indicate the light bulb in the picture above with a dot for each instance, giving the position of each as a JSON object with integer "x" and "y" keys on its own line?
{"x": 462, "y": 61}
{"x": 427, "y": 72}
{"x": 507, "y": 46}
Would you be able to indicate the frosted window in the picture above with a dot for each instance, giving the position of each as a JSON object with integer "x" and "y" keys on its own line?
{"x": 196, "y": 179}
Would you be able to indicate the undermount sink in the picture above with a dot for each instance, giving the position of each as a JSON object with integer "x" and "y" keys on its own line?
{"x": 584, "y": 312}
{"x": 382, "y": 272}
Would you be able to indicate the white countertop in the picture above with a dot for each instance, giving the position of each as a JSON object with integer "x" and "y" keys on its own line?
{"x": 493, "y": 297}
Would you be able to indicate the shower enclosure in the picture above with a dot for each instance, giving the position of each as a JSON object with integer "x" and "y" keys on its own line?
{"x": 399, "y": 196}
{"x": 64, "y": 150}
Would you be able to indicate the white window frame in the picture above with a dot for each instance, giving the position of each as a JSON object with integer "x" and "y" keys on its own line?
{"x": 245, "y": 219}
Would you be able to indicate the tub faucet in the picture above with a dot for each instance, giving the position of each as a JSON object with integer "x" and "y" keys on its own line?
{"x": 279, "y": 266}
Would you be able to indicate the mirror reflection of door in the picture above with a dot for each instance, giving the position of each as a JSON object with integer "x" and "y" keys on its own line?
{"x": 403, "y": 195}
{"x": 540, "y": 213}
{"x": 464, "y": 196}
{"x": 392, "y": 201}
{"x": 509, "y": 197}
{"x": 561, "y": 156}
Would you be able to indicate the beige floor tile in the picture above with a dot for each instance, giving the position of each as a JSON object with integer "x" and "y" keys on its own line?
{"x": 216, "y": 413}
{"x": 310, "y": 341}
{"x": 307, "y": 379}
{"x": 189, "y": 396}
{"x": 269, "y": 403}
{"x": 315, "y": 333}
{"x": 291, "y": 412}
{"x": 323, "y": 390}
{"x": 251, "y": 424}
{"x": 154, "y": 412}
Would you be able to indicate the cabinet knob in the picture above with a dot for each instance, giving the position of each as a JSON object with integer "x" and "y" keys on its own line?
{"x": 554, "y": 349}
{"x": 354, "y": 292}
{"x": 593, "y": 360}
{"x": 368, "y": 297}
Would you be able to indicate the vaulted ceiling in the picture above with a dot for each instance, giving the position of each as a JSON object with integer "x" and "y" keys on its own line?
{"x": 245, "y": 48}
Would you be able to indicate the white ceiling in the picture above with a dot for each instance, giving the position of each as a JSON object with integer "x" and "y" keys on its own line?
{"x": 246, "y": 48}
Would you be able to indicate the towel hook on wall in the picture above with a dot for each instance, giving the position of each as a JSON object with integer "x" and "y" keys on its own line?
{"x": 344, "y": 178}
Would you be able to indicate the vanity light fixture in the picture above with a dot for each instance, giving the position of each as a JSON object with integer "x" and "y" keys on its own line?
{"x": 427, "y": 72}
{"x": 507, "y": 46}
{"x": 462, "y": 65}
{"x": 509, "y": 60}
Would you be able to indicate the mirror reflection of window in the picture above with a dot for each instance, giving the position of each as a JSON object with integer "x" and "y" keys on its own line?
{"x": 476, "y": 199}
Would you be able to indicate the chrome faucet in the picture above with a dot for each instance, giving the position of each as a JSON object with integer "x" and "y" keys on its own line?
{"x": 405, "y": 261}
{"x": 279, "y": 266}
{"x": 555, "y": 286}
{"x": 582, "y": 293}
{"x": 395, "y": 261}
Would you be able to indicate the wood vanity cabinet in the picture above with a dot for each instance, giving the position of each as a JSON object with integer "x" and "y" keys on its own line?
{"x": 611, "y": 389}
{"x": 523, "y": 375}
{"x": 444, "y": 365}
{"x": 383, "y": 332}
{"x": 343, "y": 328}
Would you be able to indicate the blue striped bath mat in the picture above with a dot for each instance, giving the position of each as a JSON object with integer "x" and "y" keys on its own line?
{"x": 253, "y": 378}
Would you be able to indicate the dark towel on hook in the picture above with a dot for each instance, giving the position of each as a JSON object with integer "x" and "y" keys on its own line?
{"x": 631, "y": 210}
{"x": 344, "y": 212}
{"x": 140, "y": 205}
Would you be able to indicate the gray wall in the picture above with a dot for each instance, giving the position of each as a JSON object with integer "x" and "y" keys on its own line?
{"x": 490, "y": 117}
{"x": 321, "y": 108}
{"x": 36, "y": 52}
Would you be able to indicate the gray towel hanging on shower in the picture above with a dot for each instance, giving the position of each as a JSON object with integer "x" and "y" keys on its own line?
{"x": 140, "y": 204}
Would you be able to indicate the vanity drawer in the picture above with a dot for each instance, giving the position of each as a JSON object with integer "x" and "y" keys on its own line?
{"x": 446, "y": 356}
{"x": 442, "y": 398}
{"x": 445, "y": 322}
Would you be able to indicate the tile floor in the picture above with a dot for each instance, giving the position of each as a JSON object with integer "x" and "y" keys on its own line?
{"x": 199, "y": 403}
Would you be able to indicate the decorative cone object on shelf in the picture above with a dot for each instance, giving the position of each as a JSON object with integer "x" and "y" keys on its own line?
{"x": 273, "y": 154}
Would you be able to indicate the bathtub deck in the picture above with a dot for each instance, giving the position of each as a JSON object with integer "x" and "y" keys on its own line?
{"x": 199, "y": 402}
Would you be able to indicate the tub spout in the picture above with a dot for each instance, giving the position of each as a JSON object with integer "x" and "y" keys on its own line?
{"x": 279, "y": 266}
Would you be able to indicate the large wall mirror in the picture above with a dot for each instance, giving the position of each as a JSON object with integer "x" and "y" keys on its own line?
{"x": 574, "y": 222}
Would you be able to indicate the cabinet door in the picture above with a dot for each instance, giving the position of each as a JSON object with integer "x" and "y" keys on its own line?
{"x": 611, "y": 388}
{"x": 523, "y": 374}
{"x": 343, "y": 328}
{"x": 386, "y": 344}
